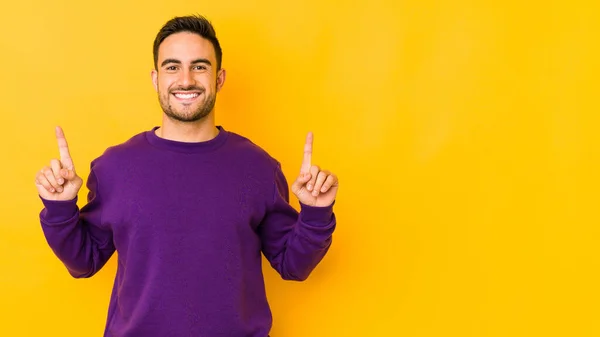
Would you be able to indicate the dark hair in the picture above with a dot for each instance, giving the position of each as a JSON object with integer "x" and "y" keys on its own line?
{"x": 196, "y": 24}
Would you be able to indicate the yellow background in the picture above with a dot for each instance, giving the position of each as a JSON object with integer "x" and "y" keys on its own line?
{"x": 465, "y": 134}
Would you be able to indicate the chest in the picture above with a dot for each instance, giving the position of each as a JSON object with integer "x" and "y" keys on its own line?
{"x": 196, "y": 203}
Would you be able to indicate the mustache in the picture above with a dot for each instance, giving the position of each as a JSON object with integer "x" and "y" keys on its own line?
{"x": 190, "y": 88}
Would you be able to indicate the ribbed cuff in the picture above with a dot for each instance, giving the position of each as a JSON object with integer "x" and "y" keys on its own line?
{"x": 316, "y": 216}
{"x": 58, "y": 211}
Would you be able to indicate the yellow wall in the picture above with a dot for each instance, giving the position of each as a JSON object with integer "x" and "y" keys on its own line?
{"x": 466, "y": 137}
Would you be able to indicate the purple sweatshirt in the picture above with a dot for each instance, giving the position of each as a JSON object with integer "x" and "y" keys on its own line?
{"x": 189, "y": 222}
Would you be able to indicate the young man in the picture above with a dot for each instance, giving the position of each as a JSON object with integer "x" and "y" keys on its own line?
{"x": 189, "y": 207}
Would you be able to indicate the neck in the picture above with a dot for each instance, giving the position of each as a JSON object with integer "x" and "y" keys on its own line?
{"x": 190, "y": 132}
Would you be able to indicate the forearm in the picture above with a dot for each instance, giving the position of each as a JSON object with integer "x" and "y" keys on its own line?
{"x": 82, "y": 247}
{"x": 305, "y": 244}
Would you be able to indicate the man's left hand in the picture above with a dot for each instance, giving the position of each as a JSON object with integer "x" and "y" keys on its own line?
{"x": 314, "y": 186}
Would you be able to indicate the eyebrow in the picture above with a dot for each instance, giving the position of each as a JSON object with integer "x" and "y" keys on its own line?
{"x": 196, "y": 61}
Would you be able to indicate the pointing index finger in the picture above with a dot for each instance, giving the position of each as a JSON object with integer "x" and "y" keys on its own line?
{"x": 63, "y": 149}
{"x": 306, "y": 162}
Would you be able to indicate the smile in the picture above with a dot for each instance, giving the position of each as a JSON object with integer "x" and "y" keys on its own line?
{"x": 186, "y": 96}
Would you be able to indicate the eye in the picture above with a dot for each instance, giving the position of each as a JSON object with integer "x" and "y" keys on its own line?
{"x": 199, "y": 67}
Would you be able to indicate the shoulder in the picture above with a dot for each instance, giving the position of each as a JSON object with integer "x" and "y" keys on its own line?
{"x": 250, "y": 152}
{"x": 257, "y": 165}
{"x": 121, "y": 152}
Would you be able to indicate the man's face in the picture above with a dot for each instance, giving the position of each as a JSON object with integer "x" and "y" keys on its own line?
{"x": 186, "y": 79}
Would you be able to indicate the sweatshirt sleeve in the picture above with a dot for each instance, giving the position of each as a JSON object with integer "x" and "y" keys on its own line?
{"x": 75, "y": 235}
{"x": 295, "y": 242}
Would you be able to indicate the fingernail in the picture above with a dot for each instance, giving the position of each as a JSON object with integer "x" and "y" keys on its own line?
{"x": 315, "y": 193}
{"x": 60, "y": 181}
{"x": 309, "y": 187}
{"x": 52, "y": 190}
{"x": 60, "y": 189}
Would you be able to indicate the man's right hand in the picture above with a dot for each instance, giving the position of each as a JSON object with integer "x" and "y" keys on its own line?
{"x": 59, "y": 180}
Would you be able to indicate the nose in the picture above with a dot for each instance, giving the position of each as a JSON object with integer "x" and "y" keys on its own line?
{"x": 187, "y": 78}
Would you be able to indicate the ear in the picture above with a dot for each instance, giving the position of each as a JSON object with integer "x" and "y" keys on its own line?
{"x": 154, "y": 76}
{"x": 221, "y": 79}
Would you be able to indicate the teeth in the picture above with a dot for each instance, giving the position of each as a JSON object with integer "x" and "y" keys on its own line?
{"x": 186, "y": 96}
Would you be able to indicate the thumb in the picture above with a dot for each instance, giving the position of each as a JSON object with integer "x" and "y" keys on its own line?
{"x": 68, "y": 174}
{"x": 298, "y": 184}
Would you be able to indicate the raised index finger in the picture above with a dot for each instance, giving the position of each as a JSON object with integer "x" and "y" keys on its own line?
{"x": 63, "y": 149}
{"x": 306, "y": 162}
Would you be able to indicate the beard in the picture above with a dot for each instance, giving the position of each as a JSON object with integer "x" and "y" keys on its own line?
{"x": 187, "y": 113}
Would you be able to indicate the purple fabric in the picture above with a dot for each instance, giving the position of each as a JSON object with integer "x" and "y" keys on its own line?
{"x": 189, "y": 222}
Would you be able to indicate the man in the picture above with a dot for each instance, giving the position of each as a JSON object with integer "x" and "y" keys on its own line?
{"x": 189, "y": 207}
